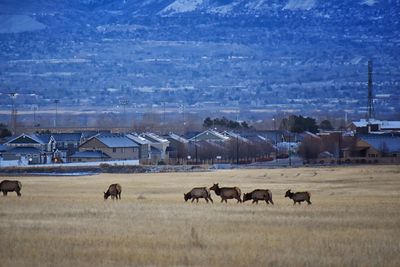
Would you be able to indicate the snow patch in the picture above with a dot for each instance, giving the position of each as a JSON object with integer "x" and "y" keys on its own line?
{"x": 369, "y": 2}
{"x": 182, "y": 6}
{"x": 256, "y": 5}
{"x": 223, "y": 10}
{"x": 300, "y": 5}
{"x": 19, "y": 23}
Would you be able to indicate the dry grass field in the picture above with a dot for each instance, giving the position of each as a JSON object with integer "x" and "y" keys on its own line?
{"x": 63, "y": 221}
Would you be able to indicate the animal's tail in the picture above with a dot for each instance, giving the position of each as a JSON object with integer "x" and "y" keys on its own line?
{"x": 20, "y": 185}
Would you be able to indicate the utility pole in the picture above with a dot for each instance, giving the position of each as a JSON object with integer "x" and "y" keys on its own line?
{"x": 56, "y": 101}
{"x": 290, "y": 150}
{"x": 13, "y": 96}
{"x": 237, "y": 149}
{"x": 370, "y": 107}
{"x": 195, "y": 146}
{"x": 163, "y": 113}
{"x": 276, "y": 140}
{"x": 124, "y": 103}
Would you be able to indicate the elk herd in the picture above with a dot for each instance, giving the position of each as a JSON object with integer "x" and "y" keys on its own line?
{"x": 225, "y": 193}
{"x": 256, "y": 195}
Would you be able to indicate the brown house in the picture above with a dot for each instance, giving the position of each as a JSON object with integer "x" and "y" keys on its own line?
{"x": 374, "y": 148}
{"x": 116, "y": 147}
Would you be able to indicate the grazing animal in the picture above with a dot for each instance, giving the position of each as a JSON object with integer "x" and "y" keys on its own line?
{"x": 10, "y": 186}
{"x": 198, "y": 192}
{"x": 299, "y": 197}
{"x": 227, "y": 192}
{"x": 259, "y": 194}
{"x": 114, "y": 190}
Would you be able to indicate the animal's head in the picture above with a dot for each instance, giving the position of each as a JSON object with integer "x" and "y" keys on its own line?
{"x": 246, "y": 196}
{"x": 288, "y": 193}
{"x": 187, "y": 196}
{"x": 106, "y": 195}
{"x": 214, "y": 187}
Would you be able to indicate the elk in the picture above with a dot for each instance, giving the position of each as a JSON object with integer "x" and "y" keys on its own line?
{"x": 227, "y": 192}
{"x": 298, "y": 197}
{"x": 259, "y": 194}
{"x": 114, "y": 190}
{"x": 10, "y": 186}
{"x": 198, "y": 192}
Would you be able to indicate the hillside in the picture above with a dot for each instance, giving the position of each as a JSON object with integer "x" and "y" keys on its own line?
{"x": 296, "y": 55}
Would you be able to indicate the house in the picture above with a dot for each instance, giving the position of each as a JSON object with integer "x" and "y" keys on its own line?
{"x": 367, "y": 126}
{"x": 178, "y": 146}
{"x": 159, "y": 143}
{"x": 374, "y": 148}
{"x": 144, "y": 147}
{"x": 30, "y": 148}
{"x": 68, "y": 142}
{"x": 115, "y": 146}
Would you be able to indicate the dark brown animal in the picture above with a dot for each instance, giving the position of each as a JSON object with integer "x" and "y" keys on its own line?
{"x": 10, "y": 186}
{"x": 299, "y": 197}
{"x": 259, "y": 194}
{"x": 114, "y": 191}
{"x": 198, "y": 192}
{"x": 227, "y": 192}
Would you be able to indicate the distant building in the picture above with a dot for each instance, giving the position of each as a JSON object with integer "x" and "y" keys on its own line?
{"x": 115, "y": 146}
{"x": 144, "y": 147}
{"x": 178, "y": 146}
{"x": 367, "y": 126}
{"x": 210, "y": 136}
{"x": 30, "y": 149}
{"x": 157, "y": 143}
{"x": 374, "y": 148}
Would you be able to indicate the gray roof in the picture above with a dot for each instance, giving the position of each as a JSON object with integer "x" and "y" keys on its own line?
{"x": 154, "y": 138}
{"x": 116, "y": 141}
{"x": 90, "y": 154}
{"x": 33, "y": 137}
{"x": 138, "y": 139}
{"x": 62, "y": 137}
{"x": 45, "y": 138}
{"x": 177, "y": 138}
{"x": 382, "y": 142}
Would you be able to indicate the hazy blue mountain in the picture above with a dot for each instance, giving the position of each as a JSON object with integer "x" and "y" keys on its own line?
{"x": 294, "y": 55}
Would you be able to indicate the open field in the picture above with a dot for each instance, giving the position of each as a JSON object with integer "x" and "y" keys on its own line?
{"x": 64, "y": 221}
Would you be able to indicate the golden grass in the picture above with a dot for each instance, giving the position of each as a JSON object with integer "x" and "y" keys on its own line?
{"x": 63, "y": 221}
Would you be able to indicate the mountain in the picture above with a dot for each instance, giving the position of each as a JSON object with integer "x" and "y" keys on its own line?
{"x": 293, "y": 55}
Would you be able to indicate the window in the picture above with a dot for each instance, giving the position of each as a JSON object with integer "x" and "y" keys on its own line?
{"x": 114, "y": 150}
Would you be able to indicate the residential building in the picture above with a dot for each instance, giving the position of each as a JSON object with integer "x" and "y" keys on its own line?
{"x": 144, "y": 147}
{"x": 157, "y": 142}
{"x": 115, "y": 146}
{"x": 178, "y": 146}
{"x": 374, "y": 148}
{"x": 30, "y": 148}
